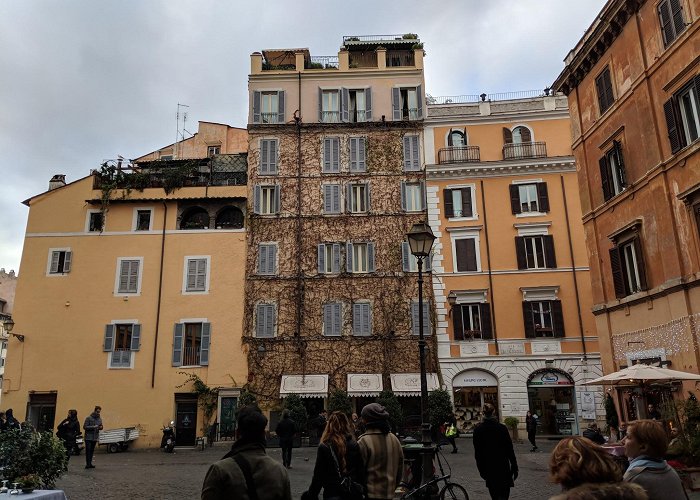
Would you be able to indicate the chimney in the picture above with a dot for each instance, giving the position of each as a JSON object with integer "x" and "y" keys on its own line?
{"x": 57, "y": 181}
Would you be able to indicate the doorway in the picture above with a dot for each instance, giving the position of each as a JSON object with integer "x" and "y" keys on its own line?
{"x": 551, "y": 396}
{"x": 41, "y": 410}
{"x": 185, "y": 419}
{"x": 471, "y": 390}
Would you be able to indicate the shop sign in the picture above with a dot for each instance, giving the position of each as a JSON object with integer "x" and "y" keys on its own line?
{"x": 474, "y": 378}
{"x": 549, "y": 377}
{"x": 588, "y": 405}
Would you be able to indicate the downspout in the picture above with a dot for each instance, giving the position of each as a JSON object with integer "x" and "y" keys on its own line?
{"x": 160, "y": 295}
{"x": 573, "y": 269}
{"x": 488, "y": 265}
{"x": 300, "y": 283}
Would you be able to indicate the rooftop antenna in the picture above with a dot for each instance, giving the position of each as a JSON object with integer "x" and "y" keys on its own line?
{"x": 177, "y": 128}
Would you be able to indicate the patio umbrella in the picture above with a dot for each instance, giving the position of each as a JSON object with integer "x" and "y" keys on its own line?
{"x": 636, "y": 374}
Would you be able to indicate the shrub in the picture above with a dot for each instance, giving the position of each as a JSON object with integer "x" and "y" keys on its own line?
{"x": 297, "y": 411}
{"x": 439, "y": 407}
{"x": 246, "y": 398}
{"x": 511, "y": 422}
{"x": 389, "y": 401}
{"x": 25, "y": 452}
{"x": 339, "y": 401}
{"x": 410, "y": 36}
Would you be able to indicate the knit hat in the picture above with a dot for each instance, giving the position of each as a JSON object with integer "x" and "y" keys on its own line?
{"x": 374, "y": 412}
{"x": 251, "y": 421}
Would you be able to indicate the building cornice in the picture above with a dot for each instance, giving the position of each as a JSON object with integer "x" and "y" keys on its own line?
{"x": 471, "y": 119}
{"x": 558, "y": 164}
{"x": 359, "y": 73}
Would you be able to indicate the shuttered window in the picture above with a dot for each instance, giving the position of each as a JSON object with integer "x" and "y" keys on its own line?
{"x": 415, "y": 319}
{"x": 267, "y": 258}
{"x": 268, "y": 157}
{"x": 413, "y": 196}
{"x": 268, "y": 106}
{"x": 529, "y": 198}
{"x": 410, "y": 261}
{"x": 612, "y": 172}
{"x": 671, "y": 20}
{"x": 191, "y": 343}
{"x": 472, "y": 321}
{"x": 407, "y": 103}
{"x": 361, "y": 319}
{"x": 359, "y": 257}
{"x": 128, "y": 276}
{"x": 458, "y": 202}
{"x": 411, "y": 153}
{"x": 543, "y": 318}
{"x": 266, "y": 200}
{"x": 329, "y": 258}
{"x": 120, "y": 341}
{"x": 682, "y": 113}
{"x": 627, "y": 266}
{"x": 357, "y": 154}
{"x": 603, "y": 85}
{"x": 535, "y": 252}
{"x": 331, "y": 199}
{"x": 265, "y": 320}
{"x": 465, "y": 255}
{"x": 196, "y": 280}
{"x": 331, "y": 155}
{"x": 357, "y": 198}
{"x": 333, "y": 319}
{"x": 60, "y": 261}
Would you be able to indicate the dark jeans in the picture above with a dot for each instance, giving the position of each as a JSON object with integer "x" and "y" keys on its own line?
{"x": 286, "y": 454}
{"x": 500, "y": 492}
{"x": 531, "y": 438}
{"x": 89, "y": 451}
{"x": 69, "y": 450}
{"x": 451, "y": 440}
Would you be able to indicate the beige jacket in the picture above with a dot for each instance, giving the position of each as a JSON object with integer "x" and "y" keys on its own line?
{"x": 383, "y": 458}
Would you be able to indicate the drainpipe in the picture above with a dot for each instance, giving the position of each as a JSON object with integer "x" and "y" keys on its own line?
{"x": 300, "y": 281}
{"x": 160, "y": 295}
{"x": 488, "y": 265}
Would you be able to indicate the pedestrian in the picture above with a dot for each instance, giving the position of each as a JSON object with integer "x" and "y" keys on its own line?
{"x": 357, "y": 425}
{"x": 494, "y": 454}
{"x": 246, "y": 472}
{"x": 67, "y": 431}
{"x": 593, "y": 433}
{"x": 576, "y": 460}
{"x": 381, "y": 453}
{"x": 11, "y": 422}
{"x": 645, "y": 446}
{"x": 285, "y": 430}
{"x": 451, "y": 432}
{"x": 531, "y": 428}
{"x": 92, "y": 427}
{"x": 653, "y": 413}
{"x": 338, "y": 459}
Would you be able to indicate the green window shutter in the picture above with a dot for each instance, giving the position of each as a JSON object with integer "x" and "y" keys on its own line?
{"x": 108, "y": 344}
{"x": 135, "y": 337}
{"x": 178, "y": 338}
{"x": 204, "y": 344}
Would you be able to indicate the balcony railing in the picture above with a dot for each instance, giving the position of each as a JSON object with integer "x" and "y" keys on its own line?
{"x": 501, "y": 96}
{"x": 190, "y": 356}
{"x": 121, "y": 358}
{"x": 358, "y": 115}
{"x": 459, "y": 154}
{"x": 377, "y": 38}
{"x": 366, "y": 59}
{"x": 525, "y": 150}
{"x": 269, "y": 117}
{"x": 322, "y": 62}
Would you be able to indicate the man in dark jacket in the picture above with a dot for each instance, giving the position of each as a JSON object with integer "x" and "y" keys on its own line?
{"x": 92, "y": 427}
{"x": 246, "y": 472}
{"x": 285, "y": 430}
{"x": 495, "y": 458}
{"x": 593, "y": 433}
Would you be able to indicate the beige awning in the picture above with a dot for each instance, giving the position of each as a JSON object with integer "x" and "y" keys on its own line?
{"x": 305, "y": 386}
{"x": 364, "y": 384}
{"x": 408, "y": 384}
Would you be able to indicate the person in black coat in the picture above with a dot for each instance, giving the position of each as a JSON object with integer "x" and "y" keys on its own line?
{"x": 531, "y": 428}
{"x": 285, "y": 430}
{"x": 11, "y": 421}
{"x": 594, "y": 434}
{"x": 495, "y": 457}
{"x": 67, "y": 431}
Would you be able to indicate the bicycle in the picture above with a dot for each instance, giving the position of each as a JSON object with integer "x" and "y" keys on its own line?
{"x": 449, "y": 491}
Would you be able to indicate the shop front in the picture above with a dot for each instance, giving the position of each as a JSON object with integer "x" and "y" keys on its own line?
{"x": 407, "y": 387}
{"x": 313, "y": 389}
{"x": 552, "y": 397}
{"x": 363, "y": 389}
{"x": 471, "y": 389}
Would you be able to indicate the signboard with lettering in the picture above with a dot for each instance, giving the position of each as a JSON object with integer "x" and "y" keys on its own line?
{"x": 549, "y": 377}
{"x": 475, "y": 378}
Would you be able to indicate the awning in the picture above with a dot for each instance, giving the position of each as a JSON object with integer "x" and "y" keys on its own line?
{"x": 408, "y": 384}
{"x": 364, "y": 384}
{"x": 305, "y": 386}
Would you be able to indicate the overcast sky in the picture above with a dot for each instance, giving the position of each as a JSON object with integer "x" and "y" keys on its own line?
{"x": 86, "y": 80}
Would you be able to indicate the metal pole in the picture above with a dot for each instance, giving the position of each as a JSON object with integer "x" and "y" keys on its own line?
{"x": 425, "y": 424}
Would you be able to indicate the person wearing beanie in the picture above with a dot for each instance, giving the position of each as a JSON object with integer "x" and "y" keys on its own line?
{"x": 246, "y": 472}
{"x": 494, "y": 454}
{"x": 381, "y": 453}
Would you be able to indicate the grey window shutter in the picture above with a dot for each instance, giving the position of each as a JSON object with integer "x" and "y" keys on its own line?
{"x": 271, "y": 319}
{"x": 262, "y": 259}
{"x": 335, "y": 159}
{"x": 368, "y": 104}
{"x": 414, "y": 153}
{"x": 370, "y": 257}
{"x": 335, "y": 266}
{"x": 348, "y": 256}
{"x": 256, "y": 107}
{"x": 108, "y": 344}
{"x": 549, "y": 255}
{"x": 327, "y": 320}
{"x": 361, "y": 154}
{"x": 191, "y": 274}
{"x": 344, "y": 100}
{"x": 406, "y": 152}
{"x": 515, "y": 199}
{"x": 124, "y": 276}
{"x": 280, "y": 103}
{"x": 264, "y": 157}
{"x": 272, "y": 259}
{"x": 204, "y": 344}
{"x": 467, "y": 210}
{"x": 338, "y": 318}
{"x": 67, "y": 259}
{"x": 396, "y": 103}
{"x": 414, "y": 318}
{"x": 260, "y": 329}
{"x": 327, "y": 201}
{"x": 423, "y": 196}
{"x": 55, "y": 257}
{"x": 335, "y": 189}
{"x": 320, "y": 105}
{"x": 273, "y": 156}
{"x": 321, "y": 258}
{"x": 327, "y": 155}
{"x": 133, "y": 276}
{"x": 406, "y": 256}
{"x": 356, "y": 319}
{"x": 135, "y": 337}
{"x": 368, "y": 196}
{"x": 403, "y": 195}
{"x": 256, "y": 200}
{"x": 348, "y": 198}
{"x": 419, "y": 100}
{"x": 178, "y": 334}
{"x": 354, "y": 152}
{"x": 277, "y": 207}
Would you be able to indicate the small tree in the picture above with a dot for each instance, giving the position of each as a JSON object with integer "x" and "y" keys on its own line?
{"x": 297, "y": 411}
{"x": 611, "y": 418}
{"x": 246, "y": 398}
{"x": 439, "y": 407}
{"x": 339, "y": 401}
{"x": 389, "y": 401}
{"x": 24, "y": 452}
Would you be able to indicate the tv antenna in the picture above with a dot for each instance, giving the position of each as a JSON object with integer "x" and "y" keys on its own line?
{"x": 180, "y": 134}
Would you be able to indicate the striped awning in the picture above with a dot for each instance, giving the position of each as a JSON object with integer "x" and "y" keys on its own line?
{"x": 364, "y": 384}
{"x": 305, "y": 386}
{"x": 408, "y": 384}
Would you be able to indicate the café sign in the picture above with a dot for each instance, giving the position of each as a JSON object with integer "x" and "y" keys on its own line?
{"x": 475, "y": 378}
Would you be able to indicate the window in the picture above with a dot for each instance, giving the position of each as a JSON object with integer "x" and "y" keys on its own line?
{"x": 333, "y": 319}
{"x": 196, "y": 275}
{"x": 213, "y": 150}
{"x": 360, "y": 105}
{"x": 458, "y": 202}
{"x": 329, "y": 258}
{"x": 456, "y": 138}
{"x": 682, "y": 112}
{"x": 191, "y": 340}
{"x": 229, "y": 218}
{"x": 268, "y": 157}
{"x": 142, "y": 219}
{"x": 330, "y": 106}
{"x": 267, "y": 200}
{"x": 466, "y": 254}
{"x": 415, "y": 319}
{"x": 128, "y": 275}
{"x": 529, "y": 198}
{"x": 166, "y": 157}
{"x": 412, "y": 196}
{"x": 671, "y": 20}
{"x": 358, "y": 198}
{"x": 121, "y": 339}
{"x": 407, "y": 103}
{"x": 360, "y": 257}
{"x": 194, "y": 218}
{"x": 411, "y": 153}
{"x": 265, "y": 320}
{"x": 603, "y": 85}
{"x": 612, "y": 172}
{"x": 471, "y": 321}
{"x": 357, "y": 154}
{"x": 543, "y": 319}
{"x": 331, "y": 155}
{"x": 535, "y": 252}
{"x": 267, "y": 258}
{"x": 628, "y": 272}
{"x": 410, "y": 261}
{"x": 60, "y": 261}
{"x": 361, "y": 318}
{"x": 95, "y": 221}
{"x": 331, "y": 198}
{"x": 268, "y": 106}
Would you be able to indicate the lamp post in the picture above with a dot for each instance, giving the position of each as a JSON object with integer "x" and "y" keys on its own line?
{"x": 9, "y": 325}
{"x": 420, "y": 240}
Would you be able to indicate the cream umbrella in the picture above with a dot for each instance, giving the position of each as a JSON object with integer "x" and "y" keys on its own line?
{"x": 640, "y": 373}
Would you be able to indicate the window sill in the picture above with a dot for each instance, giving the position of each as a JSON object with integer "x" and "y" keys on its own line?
{"x": 190, "y": 366}
{"x": 195, "y": 292}
{"x": 57, "y": 274}
{"x": 127, "y": 294}
{"x": 530, "y": 214}
{"x": 121, "y": 367}
{"x": 463, "y": 219}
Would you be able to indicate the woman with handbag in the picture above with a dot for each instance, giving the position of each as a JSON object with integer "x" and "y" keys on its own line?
{"x": 339, "y": 470}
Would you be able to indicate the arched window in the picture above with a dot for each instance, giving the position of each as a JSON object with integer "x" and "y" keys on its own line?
{"x": 229, "y": 218}
{"x": 521, "y": 134}
{"x": 456, "y": 139}
{"x": 195, "y": 218}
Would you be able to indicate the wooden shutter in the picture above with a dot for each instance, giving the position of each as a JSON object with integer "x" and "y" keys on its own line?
{"x": 507, "y": 136}
{"x": 607, "y": 82}
{"x": 335, "y": 154}
{"x": 411, "y": 153}
{"x": 368, "y": 104}
{"x": 449, "y": 206}
{"x": 549, "y": 255}
{"x": 457, "y": 322}
{"x": 406, "y": 256}
{"x": 617, "y": 147}
{"x": 321, "y": 258}
{"x": 403, "y": 195}
{"x": 277, "y": 207}
{"x": 108, "y": 344}
{"x": 557, "y": 318}
{"x": 605, "y": 179}
{"x": 270, "y": 320}
{"x": 67, "y": 260}
{"x": 415, "y": 152}
{"x": 527, "y": 319}
{"x": 370, "y": 257}
{"x": 466, "y": 254}
{"x": 344, "y": 100}
{"x": 272, "y": 156}
{"x": 414, "y": 318}
{"x": 406, "y": 152}
{"x": 328, "y": 320}
{"x": 55, "y": 258}
{"x": 135, "y": 337}
{"x": 617, "y": 275}
{"x": 356, "y": 319}
{"x": 467, "y": 210}
{"x": 368, "y": 197}
{"x": 178, "y": 334}
{"x": 361, "y": 319}
{"x": 641, "y": 268}
{"x": 124, "y": 276}
{"x": 348, "y": 198}
{"x": 423, "y": 196}
{"x": 485, "y": 317}
{"x": 353, "y": 154}
{"x": 256, "y": 200}
{"x": 280, "y": 104}
{"x": 515, "y": 199}
{"x": 320, "y": 105}
{"x": 348, "y": 256}
{"x": 327, "y": 160}
{"x": 134, "y": 276}
{"x": 272, "y": 259}
{"x": 204, "y": 344}
{"x": 449, "y": 139}
{"x": 677, "y": 15}
{"x": 335, "y": 266}
{"x": 520, "y": 252}
{"x": 419, "y": 101}
{"x": 675, "y": 134}
{"x": 256, "y": 107}
{"x": 542, "y": 197}
{"x": 262, "y": 259}
{"x": 357, "y": 154}
{"x": 666, "y": 22}
{"x": 396, "y": 103}
{"x": 525, "y": 135}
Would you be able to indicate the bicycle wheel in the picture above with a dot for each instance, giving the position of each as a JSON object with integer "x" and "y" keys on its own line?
{"x": 453, "y": 491}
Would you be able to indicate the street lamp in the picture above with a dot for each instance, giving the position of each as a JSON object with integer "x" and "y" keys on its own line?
{"x": 9, "y": 325}
{"x": 420, "y": 239}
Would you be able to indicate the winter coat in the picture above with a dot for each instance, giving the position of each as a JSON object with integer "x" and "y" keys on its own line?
{"x": 594, "y": 435}
{"x": 92, "y": 425}
{"x": 493, "y": 450}
{"x": 531, "y": 424}
{"x": 68, "y": 429}
{"x": 604, "y": 490}
{"x": 286, "y": 429}
{"x": 326, "y": 473}
{"x": 225, "y": 480}
{"x": 658, "y": 478}
{"x": 383, "y": 458}
{"x": 11, "y": 421}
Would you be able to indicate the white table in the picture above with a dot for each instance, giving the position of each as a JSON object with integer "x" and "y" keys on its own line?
{"x": 42, "y": 494}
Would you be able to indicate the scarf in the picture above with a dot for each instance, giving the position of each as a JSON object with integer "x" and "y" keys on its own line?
{"x": 644, "y": 461}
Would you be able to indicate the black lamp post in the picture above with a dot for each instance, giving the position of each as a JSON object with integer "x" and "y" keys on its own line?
{"x": 420, "y": 239}
{"x": 9, "y": 325}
